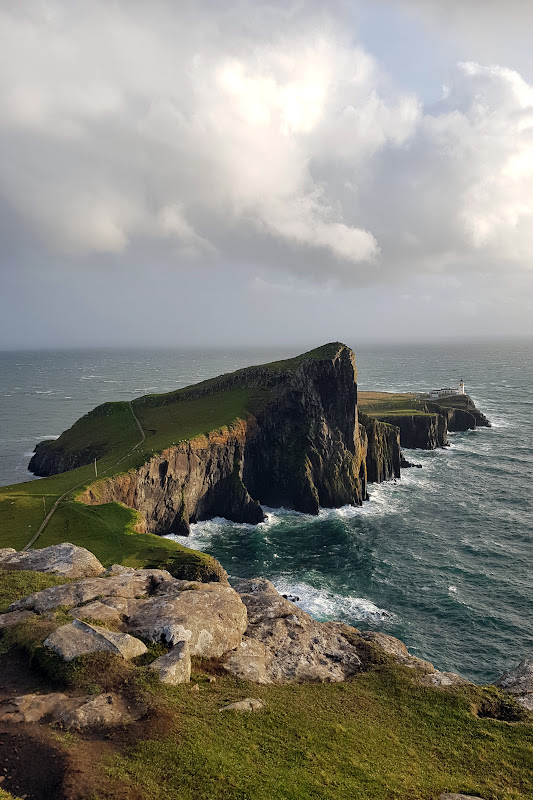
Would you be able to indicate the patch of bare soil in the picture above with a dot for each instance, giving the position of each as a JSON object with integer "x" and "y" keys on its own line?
{"x": 30, "y": 766}
{"x": 40, "y": 762}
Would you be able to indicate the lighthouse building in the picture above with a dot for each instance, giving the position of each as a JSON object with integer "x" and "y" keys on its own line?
{"x": 434, "y": 394}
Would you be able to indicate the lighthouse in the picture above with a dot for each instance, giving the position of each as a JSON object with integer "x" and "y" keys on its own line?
{"x": 461, "y": 386}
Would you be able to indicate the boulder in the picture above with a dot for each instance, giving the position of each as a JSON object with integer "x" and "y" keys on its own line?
{"x": 283, "y": 644}
{"x": 140, "y": 583}
{"x": 34, "y": 707}
{"x": 4, "y": 552}
{"x": 519, "y": 683}
{"x": 97, "y": 611}
{"x": 174, "y": 667}
{"x": 444, "y": 679}
{"x": 210, "y": 617}
{"x": 398, "y": 651}
{"x": 104, "y": 711}
{"x": 14, "y": 618}
{"x": 79, "y": 638}
{"x": 248, "y": 704}
{"x": 67, "y": 560}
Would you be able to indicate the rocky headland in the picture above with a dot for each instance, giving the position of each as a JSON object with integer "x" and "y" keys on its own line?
{"x": 299, "y": 441}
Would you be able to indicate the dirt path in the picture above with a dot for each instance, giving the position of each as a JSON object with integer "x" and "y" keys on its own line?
{"x": 54, "y": 508}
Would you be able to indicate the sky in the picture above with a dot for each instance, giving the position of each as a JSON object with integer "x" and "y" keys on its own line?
{"x": 195, "y": 173}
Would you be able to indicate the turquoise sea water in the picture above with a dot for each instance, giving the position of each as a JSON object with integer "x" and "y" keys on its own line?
{"x": 441, "y": 558}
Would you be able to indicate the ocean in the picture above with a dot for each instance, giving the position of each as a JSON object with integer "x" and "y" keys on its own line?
{"x": 441, "y": 558}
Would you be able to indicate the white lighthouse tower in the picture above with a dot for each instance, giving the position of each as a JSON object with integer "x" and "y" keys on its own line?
{"x": 461, "y": 386}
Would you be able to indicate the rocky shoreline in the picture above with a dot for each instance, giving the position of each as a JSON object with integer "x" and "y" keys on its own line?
{"x": 254, "y": 633}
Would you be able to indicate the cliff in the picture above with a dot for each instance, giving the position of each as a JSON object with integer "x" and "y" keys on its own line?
{"x": 290, "y": 437}
{"x": 423, "y": 424}
{"x": 384, "y": 456}
{"x": 420, "y": 431}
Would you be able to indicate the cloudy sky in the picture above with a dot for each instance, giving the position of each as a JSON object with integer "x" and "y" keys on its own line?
{"x": 258, "y": 172}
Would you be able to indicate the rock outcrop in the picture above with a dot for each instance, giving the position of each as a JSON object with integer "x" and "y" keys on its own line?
{"x": 174, "y": 667}
{"x": 67, "y": 560}
{"x": 71, "y": 713}
{"x": 519, "y": 683}
{"x": 283, "y": 644}
{"x": 79, "y": 638}
{"x": 248, "y": 704}
{"x": 138, "y": 583}
{"x": 210, "y": 617}
{"x": 383, "y": 453}
{"x": 423, "y": 431}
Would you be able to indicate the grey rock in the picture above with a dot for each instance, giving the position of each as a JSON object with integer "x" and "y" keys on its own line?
{"x": 67, "y": 560}
{"x": 398, "y": 651}
{"x": 4, "y": 553}
{"x": 104, "y": 711}
{"x": 97, "y": 611}
{"x": 519, "y": 683}
{"x": 444, "y": 679}
{"x": 283, "y": 644}
{"x": 174, "y": 667}
{"x": 14, "y": 618}
{"x": 140, "y": 583}
{"x": 118, "y": 569}
{"x": 34, "y": 707}
{"x": 79, "y": 638}
{"x": 211, "y": 618}
{"x": 248, "y": 704}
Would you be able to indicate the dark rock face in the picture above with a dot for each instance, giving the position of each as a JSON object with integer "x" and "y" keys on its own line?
{"x": 384, "y": 457}
{"x": 429, "y": 429}
{"x": 50, "y": 461}
{"x": 420, "y": 431}
{"x": 307, "y": 451}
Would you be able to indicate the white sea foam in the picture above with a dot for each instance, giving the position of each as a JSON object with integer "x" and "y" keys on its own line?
{"x": 325, "y": 604}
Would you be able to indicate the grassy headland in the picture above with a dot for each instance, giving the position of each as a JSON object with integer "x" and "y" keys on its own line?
{"x": 110, "y": 434}
{"x": 387, "y": 404}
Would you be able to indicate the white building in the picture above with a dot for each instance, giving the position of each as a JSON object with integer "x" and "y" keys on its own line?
{"x": 436, "y": 393}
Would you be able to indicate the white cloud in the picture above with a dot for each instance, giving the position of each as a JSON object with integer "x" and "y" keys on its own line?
{"x": 252, "y": 131}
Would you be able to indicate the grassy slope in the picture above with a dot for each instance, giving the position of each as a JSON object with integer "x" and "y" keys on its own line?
{"x": 388, "y": 404}
{"x": 108, "y": 530}
{"x": 376, "y": 737}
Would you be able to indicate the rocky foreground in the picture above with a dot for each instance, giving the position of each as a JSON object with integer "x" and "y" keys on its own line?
{"x": 253, "y": 633}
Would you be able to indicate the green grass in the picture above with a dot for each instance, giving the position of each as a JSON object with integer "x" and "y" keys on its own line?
{"x": 7, "y": 796}
{"x": 377, "y": 737}
{"x": 16, "y": 584}
{"x": 388, "y": 403}
{"x": 108, "y": 530}
{"x": 184, "y": 418}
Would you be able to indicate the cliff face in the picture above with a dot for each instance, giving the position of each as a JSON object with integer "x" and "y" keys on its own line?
{"x": 302, "y": 449}
{"x": 384, "y": 455}
{"x": 428, "y": 429}
{"x": 420, "y": 431}
{"x": 51, "y": 461}
{"x": 194, "y": 480}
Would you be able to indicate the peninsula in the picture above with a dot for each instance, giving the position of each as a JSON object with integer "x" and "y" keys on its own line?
{"x": 288, "y": 434}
